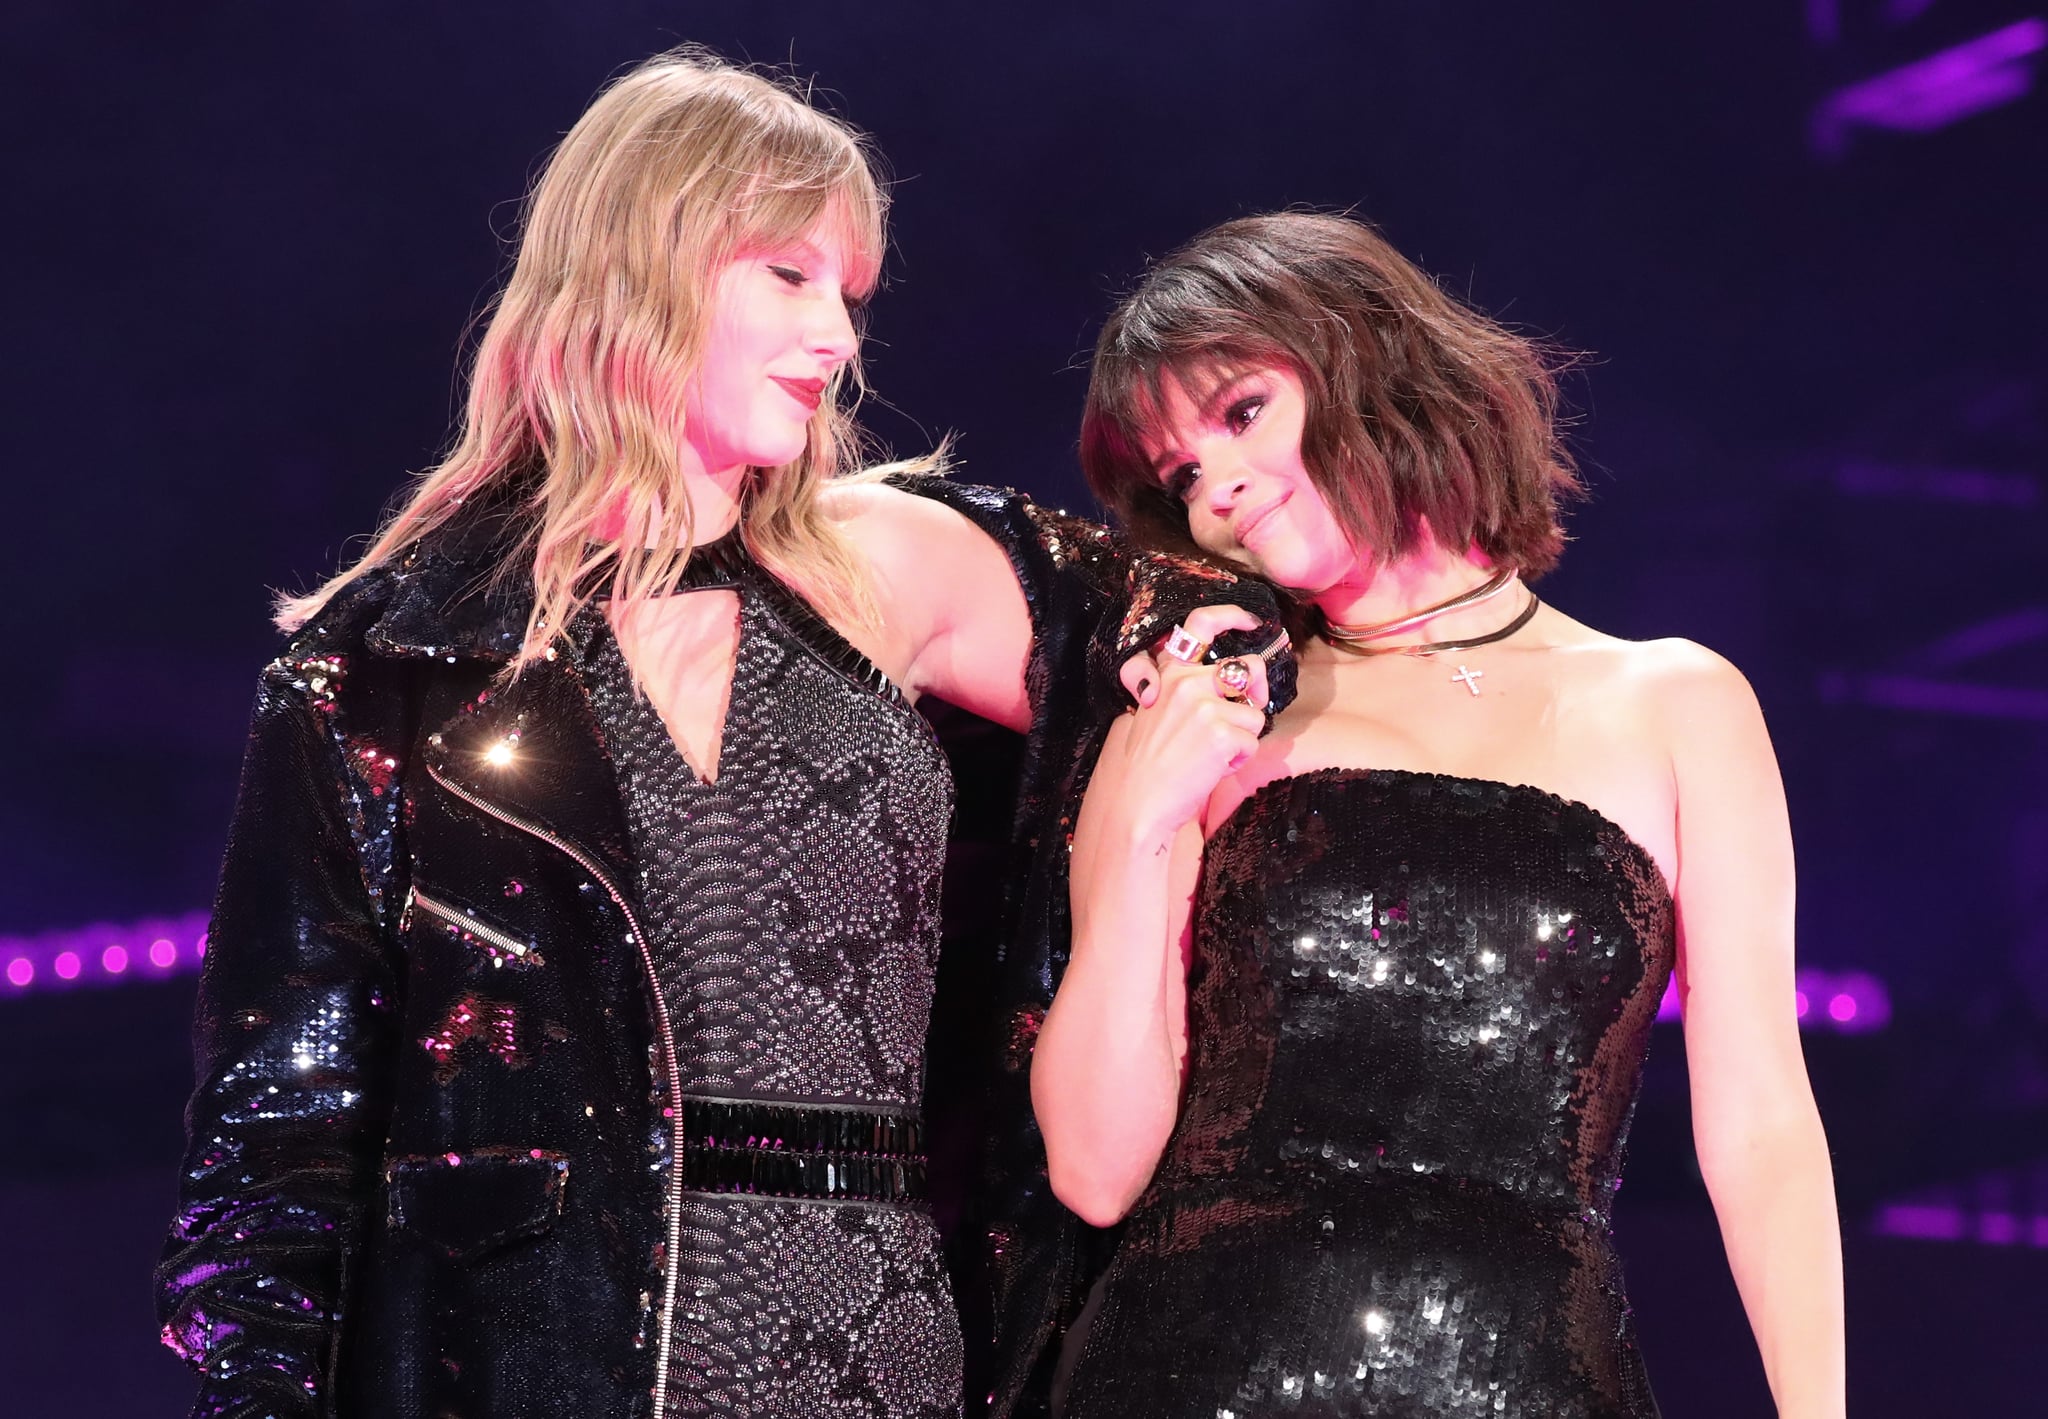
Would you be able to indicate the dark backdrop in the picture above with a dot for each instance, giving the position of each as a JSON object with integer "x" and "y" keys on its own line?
{"x": 245, "y": 243}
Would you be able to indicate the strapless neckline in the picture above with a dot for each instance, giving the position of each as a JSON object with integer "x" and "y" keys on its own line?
{"x": 1334, "y": 773}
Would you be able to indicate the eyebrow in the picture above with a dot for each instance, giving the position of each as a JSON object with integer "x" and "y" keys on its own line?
{"x": 800, "y": 247}
{"x": 1205, "y": 411}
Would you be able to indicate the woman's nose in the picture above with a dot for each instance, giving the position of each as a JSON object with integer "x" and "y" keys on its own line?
{"x": 833, "y": 338}
{"x": 1225, "y": 485}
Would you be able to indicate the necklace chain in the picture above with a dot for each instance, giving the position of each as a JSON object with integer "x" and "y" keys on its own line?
{"x": 1356, "y": 640}
{"x": 1522, "y": 618}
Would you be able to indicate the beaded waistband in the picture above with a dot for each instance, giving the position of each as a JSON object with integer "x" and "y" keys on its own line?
{"x": 802, "y": 1151}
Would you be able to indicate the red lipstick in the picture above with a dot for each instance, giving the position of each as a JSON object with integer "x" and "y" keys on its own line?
{"x": 808, "y": 392}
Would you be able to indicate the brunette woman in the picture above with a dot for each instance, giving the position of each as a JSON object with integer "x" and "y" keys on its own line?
{"x": 1356, "y": 1013}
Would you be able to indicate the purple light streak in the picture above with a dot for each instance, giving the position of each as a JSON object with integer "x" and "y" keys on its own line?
{"x": 2004, "y": 1208}
{"x": 101, "y": 954}
{"x": 1934, "y": 92}
{"x": 1986, "y": 638}
{"x": 1866, "y": 478}
{"x": 1916, "y": 692}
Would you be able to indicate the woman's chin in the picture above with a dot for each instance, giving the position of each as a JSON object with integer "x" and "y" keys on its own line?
{"x": 1276, "y": 567}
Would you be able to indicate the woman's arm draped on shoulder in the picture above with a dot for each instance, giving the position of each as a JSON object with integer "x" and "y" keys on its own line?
{"x": 959, "y": 592}
{"x": 1759, "y": 1138}
{"x": 294, "y": 1020}
{"x": 992, "y": 590}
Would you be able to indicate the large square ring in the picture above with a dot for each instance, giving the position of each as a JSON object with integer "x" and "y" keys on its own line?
{"x": 1184, "y": 645}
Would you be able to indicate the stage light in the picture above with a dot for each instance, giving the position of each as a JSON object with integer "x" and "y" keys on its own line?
{"x": 98, "y": 953}
{"x": 1933, "y": 92}
{"x": 2005, "y": 1207}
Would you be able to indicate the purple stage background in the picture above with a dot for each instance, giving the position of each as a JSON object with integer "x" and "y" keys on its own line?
{"x": 1802, "y": 241}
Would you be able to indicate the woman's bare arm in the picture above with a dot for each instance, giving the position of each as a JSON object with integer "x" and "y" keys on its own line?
{"x": 1106, "y": 1074}
{"x": 955, "y": 623}
{"x": 1758, "y": 1135}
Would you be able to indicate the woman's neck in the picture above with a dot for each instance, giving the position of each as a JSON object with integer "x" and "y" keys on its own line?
{"x": 1375, "y": 595}
{"x": 713, "y": 501}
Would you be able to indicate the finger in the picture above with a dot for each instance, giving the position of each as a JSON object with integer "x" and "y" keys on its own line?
{"x": 1227, "y": 722}
{"x": 1180, "y": 693}
{"x": 1209, "y": 622}
{"x": 1248, "y": 720}
{"x": 1183, "y": 682}
{"x": 1139, "y": 676}
{"x": 1258, "y": 694}
{"x": 1237, "y": 730}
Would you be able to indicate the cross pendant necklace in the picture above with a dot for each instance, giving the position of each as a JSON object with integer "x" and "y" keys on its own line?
{"x": 1352, "y": 644}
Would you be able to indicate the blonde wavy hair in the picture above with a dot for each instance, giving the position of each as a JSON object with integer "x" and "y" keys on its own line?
{"x": 581, "y": 375}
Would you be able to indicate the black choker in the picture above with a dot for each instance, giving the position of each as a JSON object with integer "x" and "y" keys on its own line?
{"x": 1434, "y": 647}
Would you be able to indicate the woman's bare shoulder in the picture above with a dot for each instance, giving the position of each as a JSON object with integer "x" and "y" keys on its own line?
{"x": 893, "y": 527}
{"x": 1676, "y": 692}
{"x": 1668, "y": 667}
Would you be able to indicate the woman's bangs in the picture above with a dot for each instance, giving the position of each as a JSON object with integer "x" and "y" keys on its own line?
{"x": 817, "y": 198}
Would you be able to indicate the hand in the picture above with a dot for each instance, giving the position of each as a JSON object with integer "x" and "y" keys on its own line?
{"x": 1167, "y": 756}
{"x": 1140, "y": 674}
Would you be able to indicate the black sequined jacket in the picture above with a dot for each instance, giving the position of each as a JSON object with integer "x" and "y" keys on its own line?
{"x": 430, "y": 1147}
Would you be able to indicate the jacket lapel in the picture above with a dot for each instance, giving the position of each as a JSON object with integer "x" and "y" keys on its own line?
{"x": 530, "y": 752}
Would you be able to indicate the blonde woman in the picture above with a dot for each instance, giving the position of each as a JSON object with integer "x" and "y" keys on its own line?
{"x": 561, "y": 1035}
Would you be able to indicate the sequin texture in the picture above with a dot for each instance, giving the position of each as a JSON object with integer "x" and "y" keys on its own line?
{"x": 1417, "y": 1019}
{"x": 792, "y": 905}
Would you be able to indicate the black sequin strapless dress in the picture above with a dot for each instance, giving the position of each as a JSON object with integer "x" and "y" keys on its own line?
{"x": 1416, "y": 1019}
{"x": 792, "y": 906}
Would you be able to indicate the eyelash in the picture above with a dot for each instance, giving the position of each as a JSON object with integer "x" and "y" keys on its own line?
{"x": 1241, "y": 415}
{"x": 796, "y": 276}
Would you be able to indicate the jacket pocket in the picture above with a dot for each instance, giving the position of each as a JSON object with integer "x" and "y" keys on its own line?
{"x": 498, "y": 944}
{"x": 468, "y": 1204}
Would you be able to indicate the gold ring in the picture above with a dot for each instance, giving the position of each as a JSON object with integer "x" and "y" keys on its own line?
{"x": 1233, "y": 678}
{"x": 1185, "y": 646}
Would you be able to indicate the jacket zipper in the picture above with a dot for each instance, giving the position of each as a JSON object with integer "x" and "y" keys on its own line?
{"x": 582, "y": 859}
{"x": 456, "y": 917}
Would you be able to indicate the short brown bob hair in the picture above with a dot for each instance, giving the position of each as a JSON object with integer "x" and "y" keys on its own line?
{"x": 1417, "y": 406}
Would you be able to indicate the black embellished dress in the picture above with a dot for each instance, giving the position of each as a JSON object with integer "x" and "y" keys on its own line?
{"x": 1417, "y": 1016}
{"x": 793, "y": 909}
